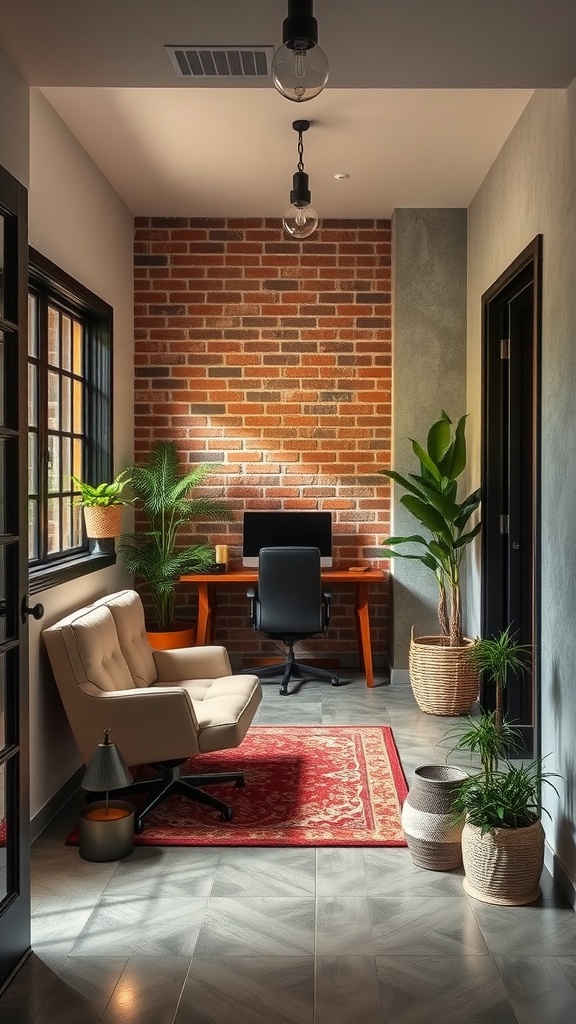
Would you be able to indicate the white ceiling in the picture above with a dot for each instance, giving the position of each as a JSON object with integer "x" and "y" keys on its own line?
{"x": 421, "y": 96}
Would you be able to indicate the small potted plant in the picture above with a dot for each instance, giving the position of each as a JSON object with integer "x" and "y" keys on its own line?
{"x": 444, "y": 680}
{"x": 102, "y": 504}
{"x": 502, "y": 837}
{"x": 154, "y": 555}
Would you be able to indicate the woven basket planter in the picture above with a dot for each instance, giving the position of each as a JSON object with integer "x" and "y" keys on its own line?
{"x": 105, "y": 521}
{"x": 427, "y": 817}
{"x": 504, "y": 865}
{"x": 443, "y": 679}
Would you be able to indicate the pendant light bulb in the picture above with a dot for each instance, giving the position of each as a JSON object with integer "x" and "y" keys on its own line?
{"x": 300, "y": 221}
{"x": 299, "y": 66}
{"x": 299, "y": 73}
{"x": 300, "y": 218}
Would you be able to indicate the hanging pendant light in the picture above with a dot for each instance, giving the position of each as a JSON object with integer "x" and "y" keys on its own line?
{"x": 300, "y": 218}
{"x": 299, "y": 66}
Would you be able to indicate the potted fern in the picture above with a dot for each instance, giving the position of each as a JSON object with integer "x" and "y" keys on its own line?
{"x": 444, "y": 680}
{"x": 502, "y": 837}
{"x": 154, "y": 554}
{"x": 102, "y": 505}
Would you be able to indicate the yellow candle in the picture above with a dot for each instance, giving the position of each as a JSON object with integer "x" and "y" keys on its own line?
{"x": 101, "y": 814}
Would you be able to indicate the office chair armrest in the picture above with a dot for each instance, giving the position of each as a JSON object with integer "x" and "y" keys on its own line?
{"x": 252, "y": 593}
{"x": 327, "y": 597}
{"x": 192, "y": 663}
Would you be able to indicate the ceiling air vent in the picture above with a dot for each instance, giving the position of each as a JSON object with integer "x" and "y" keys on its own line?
{"x": 220, "y": 61}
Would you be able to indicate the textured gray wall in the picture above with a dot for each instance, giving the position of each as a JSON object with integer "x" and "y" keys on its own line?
{"x": 429, "y": 368}
{"x": 529, "y": 190}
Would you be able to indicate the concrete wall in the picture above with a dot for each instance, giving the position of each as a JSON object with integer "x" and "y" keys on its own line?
{"x": 428, "y": 375}
{"x": 530, "y": 190}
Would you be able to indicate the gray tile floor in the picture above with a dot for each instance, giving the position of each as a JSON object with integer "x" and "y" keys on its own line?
{"x": 290, "y": 936}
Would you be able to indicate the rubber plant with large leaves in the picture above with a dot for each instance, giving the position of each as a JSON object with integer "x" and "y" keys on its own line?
{"x": 432, "y": 498}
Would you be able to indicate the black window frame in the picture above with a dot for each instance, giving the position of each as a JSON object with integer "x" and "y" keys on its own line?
{"x": 49, "y": 283}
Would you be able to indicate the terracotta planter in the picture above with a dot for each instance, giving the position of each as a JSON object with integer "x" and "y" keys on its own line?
{"x": 427, "y": 817}
{"x": 443, "y": 679}
{"x": 104, "y": 521}
{"x": 504, "y": 865}
{"x": 185, "y": 636}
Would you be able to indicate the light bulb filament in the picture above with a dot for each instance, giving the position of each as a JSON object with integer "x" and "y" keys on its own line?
{"x": 300, "y": 217}
{"x": 300, "y": 63}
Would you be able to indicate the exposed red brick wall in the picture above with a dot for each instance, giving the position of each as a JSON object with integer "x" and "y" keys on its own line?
{"x": 272, "y": 358}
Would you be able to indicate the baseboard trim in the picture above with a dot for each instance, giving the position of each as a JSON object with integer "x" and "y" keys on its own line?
{"x": 55, "y": 804}
{"x": 561, "y": 878}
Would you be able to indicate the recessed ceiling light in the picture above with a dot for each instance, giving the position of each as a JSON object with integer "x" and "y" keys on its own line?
{"x": 341, "y": 176}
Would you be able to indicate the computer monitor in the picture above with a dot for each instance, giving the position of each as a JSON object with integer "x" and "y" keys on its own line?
{"x": 285, "y": 529}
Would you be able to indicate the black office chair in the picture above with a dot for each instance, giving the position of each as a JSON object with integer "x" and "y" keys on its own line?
{"x": 290, "y": 605}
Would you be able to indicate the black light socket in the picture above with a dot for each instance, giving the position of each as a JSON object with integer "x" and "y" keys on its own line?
{"x": 300, "y": 194}
{"x": 300, "y": 27}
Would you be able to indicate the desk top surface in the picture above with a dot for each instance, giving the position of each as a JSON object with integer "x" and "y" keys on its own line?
{"x": 345, "y": 575}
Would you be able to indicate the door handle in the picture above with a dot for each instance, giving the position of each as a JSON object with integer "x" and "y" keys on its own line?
{"x": 36, "y": 612}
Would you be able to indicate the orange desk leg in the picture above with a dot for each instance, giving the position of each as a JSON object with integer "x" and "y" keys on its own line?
{"x": 362, "y": 616}
{"x": 204, "y": 614}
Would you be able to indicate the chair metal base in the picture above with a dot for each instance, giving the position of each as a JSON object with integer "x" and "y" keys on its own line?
{"x": 292, "y": 669}
{"x": 172, "y": 783}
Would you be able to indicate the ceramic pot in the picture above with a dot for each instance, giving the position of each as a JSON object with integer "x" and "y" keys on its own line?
{"x": 185, "y": 636}
{"x": 427, "y": 817}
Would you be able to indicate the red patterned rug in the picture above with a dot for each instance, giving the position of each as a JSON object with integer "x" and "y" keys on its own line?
{"x": 305, "y": 786}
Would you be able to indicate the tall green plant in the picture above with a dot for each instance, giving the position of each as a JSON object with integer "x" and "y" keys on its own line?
{"x": 162, "y": 494}
{"x": 495, "y": 798}
{"x": 432, "y": 499}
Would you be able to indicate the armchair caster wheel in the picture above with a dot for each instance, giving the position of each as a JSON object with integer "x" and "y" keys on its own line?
{"x": 227, "y": 814}
{"x": 335, "y": 681}
{"x": 283, "y": 693}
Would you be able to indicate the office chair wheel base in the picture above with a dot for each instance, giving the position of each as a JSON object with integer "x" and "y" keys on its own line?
{"x": 335, "y": 681}
{"x": 227, "y": 814}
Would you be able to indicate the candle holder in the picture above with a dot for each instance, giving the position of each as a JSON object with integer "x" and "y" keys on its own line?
{"x": 106, "y": 827}
{"x": 221, "y": 557}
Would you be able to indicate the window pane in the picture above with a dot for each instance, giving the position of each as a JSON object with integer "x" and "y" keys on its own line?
{"x": 77, "y": 346}
{"x": 32, "y": 529}
{"x": 53, "y": 463}
{"x": 77, "y": 465}
{"x": 65, "y": 410}
{"x": 66, "y": 524}
{"x": 66, "y": 340}
{"x": 32, "y": 395}
{"x": 33, "y": 463}
{"x": 54, "y": 535}
{"x": 53, "y": 401}
{"x": 77, "y": 524}
{"x": 78, "y": 406}
{"x": 66, "y": 456}
{"x": 53, "y": 337}
{"x": 32, "y": 325}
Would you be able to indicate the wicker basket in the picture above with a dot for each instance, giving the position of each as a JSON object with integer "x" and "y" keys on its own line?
{"x": 443, "y": 678}
{"x": 504, "y": 865}
{"x": 105, "y": 521}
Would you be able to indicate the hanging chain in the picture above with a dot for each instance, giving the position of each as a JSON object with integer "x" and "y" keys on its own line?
{"x": 300, "y": 164}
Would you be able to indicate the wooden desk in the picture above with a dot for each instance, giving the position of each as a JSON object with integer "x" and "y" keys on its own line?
{"x": 208, "y": 583}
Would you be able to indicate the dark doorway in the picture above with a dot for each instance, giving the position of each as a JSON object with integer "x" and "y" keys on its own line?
{"x": 14, "y": 809}
{"x": 511, "y": 474}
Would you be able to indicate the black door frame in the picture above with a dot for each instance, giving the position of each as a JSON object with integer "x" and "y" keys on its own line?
{"x": 14, "y": 754}
{"x": 521, "y": 705}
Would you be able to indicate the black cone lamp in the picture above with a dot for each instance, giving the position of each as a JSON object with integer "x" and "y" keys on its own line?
{"x": 299, "y": 66}
{"x": 106, "y": 828}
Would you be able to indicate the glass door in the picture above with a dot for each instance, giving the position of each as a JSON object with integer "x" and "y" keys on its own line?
{"x": 14, "y": 805}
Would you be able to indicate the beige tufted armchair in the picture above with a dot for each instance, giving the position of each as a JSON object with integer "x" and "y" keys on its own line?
{"x": 162, "y": 707}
